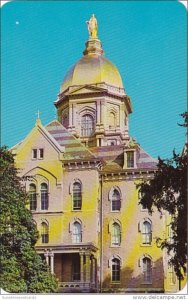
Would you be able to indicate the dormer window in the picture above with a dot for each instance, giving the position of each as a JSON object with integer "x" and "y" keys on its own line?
{"x": 130, "y": 159}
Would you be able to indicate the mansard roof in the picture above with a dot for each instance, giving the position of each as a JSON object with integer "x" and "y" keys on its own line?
{"x": 114, "y": 158}
{"x": 74, "y": 149}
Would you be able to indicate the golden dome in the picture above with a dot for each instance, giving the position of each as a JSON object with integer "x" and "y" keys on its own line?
{"x": 91, "y": 69}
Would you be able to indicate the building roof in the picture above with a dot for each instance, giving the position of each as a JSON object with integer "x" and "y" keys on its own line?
{"x": 114, "y": 158}
{"x": 74, "y": 149}
{"x": 91, "y": 68}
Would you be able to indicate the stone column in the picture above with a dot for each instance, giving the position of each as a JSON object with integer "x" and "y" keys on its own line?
{"x": 46, "y": 254}
{"x": 88, "y": 267}
{"x": 98, "y": 113}
{"x": 52, "y": 262}
{"x": 122, "y": 118}
{"x": 102, "y": 113}
{"x": 93, "y": 269}
{"x": 81, "y": 267}
{"x": 70, "y": 115}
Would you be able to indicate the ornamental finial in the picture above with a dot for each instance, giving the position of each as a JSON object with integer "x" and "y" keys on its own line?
{"x": 92, "y": 27}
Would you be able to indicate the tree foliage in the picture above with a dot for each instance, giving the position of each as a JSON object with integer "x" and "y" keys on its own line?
{"x": 22, "y": 269}
{"x": 168, "y": 191}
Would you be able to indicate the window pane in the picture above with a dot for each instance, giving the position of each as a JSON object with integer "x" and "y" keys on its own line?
{"x": 44, "y": 196}
{"x": 34, "y": 153}
{"x": 44, "y": 233}
{"x": 76, "y": 234}
{"x": 146, "y": 233}
{"x": 115, "y": 269}
{"x": 41, "y": 153}
{"x": 130, "y": 159}
{"x": 147, "y": 271}
{"x": 116, "y": 234}
{"x": 116, "y": 203}
{"x": 77, "y": 197}
{"x": 87, "y": 125}
{"x": 33, "y": 197}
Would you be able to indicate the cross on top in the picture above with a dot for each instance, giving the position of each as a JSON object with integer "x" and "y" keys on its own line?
{"x": 38, "y": 114}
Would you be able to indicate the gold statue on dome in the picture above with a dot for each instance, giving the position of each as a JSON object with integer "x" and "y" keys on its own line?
{"x": 92, "y": 27}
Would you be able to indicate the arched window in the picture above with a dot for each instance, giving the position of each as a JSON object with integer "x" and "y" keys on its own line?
{"x": 44, "y": 233}
{"x": 87, "y": 125}
{"x": 146, "y": 233}
{"x": 77, "y": 232}
{"x": 147, "y": 270}
{"x": 77, "y": 196}
{"x": 33, "y": 196}
{"x": 116, "y": 269}
{"x": 112, "y": 119}
{"x": 116, "y": 200}
{"x": 116, "y": 234}
{"x": 44, "y": 196}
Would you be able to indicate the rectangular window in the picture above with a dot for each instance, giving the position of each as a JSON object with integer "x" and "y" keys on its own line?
{"x": 34, "y": 153}
{"x": 41, "y": 153}
{"x": 130, "y": 159}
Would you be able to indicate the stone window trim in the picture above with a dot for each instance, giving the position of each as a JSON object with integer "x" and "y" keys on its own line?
{"x": 38, "y": 181}
{"x": 146, "y": 269}
{"x": 33, "y": 196}
{"x": 44, "y": 196}
{"x": 76, "y": 236}
{"x": 71, "y": 191}
{"x": 111, "y": 231}
{"x": 110, "y": 198}
{"x": 130, "y": 163}
{"x": 145, "y": 228}
{"x": 37, "y": 153}
{"x": 44, "y": 231}
{"x": 72, "y": 223}
{"x": 115, "y": 261}
{"x": 87, "y": 123}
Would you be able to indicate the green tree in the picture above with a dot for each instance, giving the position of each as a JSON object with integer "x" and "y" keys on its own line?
{"x": 22, "y": 269}
{"x": 168, "y": 191}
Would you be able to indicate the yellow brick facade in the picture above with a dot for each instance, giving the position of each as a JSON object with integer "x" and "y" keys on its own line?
{"x": 88, "y": 162}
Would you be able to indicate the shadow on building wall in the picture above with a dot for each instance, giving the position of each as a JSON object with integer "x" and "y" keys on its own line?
{"x": 131, "y": 283}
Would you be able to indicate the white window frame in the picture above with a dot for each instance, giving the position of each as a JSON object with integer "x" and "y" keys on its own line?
{"x": 110, "y": 197}
{"x": 141, "y": 228}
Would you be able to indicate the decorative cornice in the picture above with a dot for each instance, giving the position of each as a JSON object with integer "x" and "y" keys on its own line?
{"x": 82, "y": 164}
{"x": 64, "y": 248}
{"x": 127, "y": 175}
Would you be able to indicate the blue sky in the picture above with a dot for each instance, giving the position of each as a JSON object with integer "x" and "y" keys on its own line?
{"x": 146, "y": 40}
